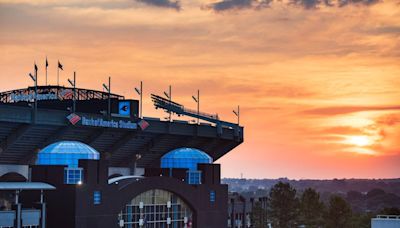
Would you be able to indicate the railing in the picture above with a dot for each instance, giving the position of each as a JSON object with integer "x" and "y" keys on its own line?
{"x": 388, "y": 216}
{"x": 53, "y": 93}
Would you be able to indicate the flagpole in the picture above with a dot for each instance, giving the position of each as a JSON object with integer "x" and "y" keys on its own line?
{"x": 170, "y": 99}
{"x": 109, "y": 97}
{"x": 198, "y": 106}
{"x": 141, "y": 99}
{"x": 35, "y": 108}
{"x": 74, "y": 101}
{"x": 58, "y": 75}
{"x": 46, "y": 70}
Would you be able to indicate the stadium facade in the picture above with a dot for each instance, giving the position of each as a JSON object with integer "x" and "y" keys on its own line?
{"x": 74, "y": 157}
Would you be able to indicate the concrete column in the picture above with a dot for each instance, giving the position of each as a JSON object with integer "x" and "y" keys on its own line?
{"x": 18, "y": 205}
{"x": 43, "y": 216}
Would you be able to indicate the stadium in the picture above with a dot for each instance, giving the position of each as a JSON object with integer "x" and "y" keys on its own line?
{"x": 73, "y": 157}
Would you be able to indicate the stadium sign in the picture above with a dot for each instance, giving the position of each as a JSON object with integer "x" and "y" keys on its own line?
{"x": 98, "y": 122}
{"x": 64, "y": 94}
{"x": 108, "y": 123}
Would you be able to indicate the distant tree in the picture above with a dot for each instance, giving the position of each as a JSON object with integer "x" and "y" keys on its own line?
{"x": 390, "y": 211}
{"x": 338, "y": 214}
{"x": 283, "y": 205}
{"x": 311, "y": 209}
{"x": 361, "y": 220}
{"x": 258, "y": 216}
{"x": 375, "y": 192}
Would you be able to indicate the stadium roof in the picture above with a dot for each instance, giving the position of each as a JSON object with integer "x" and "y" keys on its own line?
{"x": 21, "y": 137}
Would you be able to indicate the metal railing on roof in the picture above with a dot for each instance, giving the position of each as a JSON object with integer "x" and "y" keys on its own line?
{"x": 53, "y": 93}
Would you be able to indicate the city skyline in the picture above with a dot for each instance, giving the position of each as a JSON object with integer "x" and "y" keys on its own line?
{"x": 317, "y": 83}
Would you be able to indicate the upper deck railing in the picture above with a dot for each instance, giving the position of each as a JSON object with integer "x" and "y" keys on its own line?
{"x": 53, "y": 93}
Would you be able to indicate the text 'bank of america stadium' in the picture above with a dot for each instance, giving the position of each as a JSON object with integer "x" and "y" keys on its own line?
{"x": 74, "y": 157}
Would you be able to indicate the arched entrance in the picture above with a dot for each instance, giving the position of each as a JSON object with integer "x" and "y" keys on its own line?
{"x": 156, "y": 208}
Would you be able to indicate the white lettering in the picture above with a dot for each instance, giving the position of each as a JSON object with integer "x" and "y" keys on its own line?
{"x": 31, "y": 97}
{"x": 108, "y": 123}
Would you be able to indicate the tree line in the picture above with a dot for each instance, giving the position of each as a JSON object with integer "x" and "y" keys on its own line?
{"x": 287, "y": 208}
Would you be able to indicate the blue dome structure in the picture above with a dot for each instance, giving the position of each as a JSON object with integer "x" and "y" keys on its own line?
{"x": 66, "y": 153}
{"x": 185, "y": 158}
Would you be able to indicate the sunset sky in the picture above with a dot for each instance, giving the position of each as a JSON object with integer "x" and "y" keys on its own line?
{"x": 318, "y": 81}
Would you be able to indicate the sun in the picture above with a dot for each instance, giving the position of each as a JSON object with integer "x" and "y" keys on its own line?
{"x": 359, "y": 140}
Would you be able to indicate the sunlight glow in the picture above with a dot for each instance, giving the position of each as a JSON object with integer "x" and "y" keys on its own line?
{"x": 359, "y": 140}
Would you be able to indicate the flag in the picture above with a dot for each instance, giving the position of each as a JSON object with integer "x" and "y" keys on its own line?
{"x": 73, "y": 118}
{"x": 47, "y": 63}
{"x": 67, "y": 94}
{"x": 143, "y": 124}
{"x": 60, "y": 66}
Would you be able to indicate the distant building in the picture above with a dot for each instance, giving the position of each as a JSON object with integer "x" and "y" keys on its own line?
{"x": 241, "y": 211}
{"x": 386, "y": 221}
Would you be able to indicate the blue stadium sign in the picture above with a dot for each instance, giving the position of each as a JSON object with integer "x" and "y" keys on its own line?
{"x": 124, "y": 108}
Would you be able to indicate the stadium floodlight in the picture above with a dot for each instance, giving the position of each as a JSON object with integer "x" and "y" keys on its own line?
{"x": 197, "y": 100}
{"x": 138, "y": 91}
{"x": 33, "y": 78}
{"x": 106, "y": 87}
{"x": 167, "y": 95}
{"x": 237, "y": 113}
{"x": 71, "y": 82}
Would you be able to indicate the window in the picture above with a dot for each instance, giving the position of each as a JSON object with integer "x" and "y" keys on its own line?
{"x": 212, "y": 196}
{"x": 96, "y": 197}
{"x": 73, "y": 175}
{"x": 193, "y": 177}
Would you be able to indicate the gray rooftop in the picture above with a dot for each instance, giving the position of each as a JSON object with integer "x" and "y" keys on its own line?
{"x": 25, "y": 186}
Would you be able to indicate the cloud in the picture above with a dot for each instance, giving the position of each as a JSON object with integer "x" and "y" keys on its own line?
{"x": 340, "y": 110}
{"x": 162, "y": 3}
{"x": 315, "y": 4}
{"x": 226, "y": 5}
{"x": 311, "y": 4}
{"x": 389, "y": 120}
{"x": 342, "y": 3}
{"x": 392, "y": 30}
{"x": 341, "y": 130}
